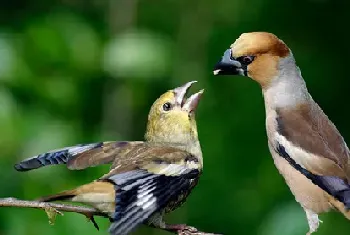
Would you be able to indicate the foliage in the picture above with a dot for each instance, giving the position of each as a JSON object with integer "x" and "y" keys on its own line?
{"x": 78, "y": 71}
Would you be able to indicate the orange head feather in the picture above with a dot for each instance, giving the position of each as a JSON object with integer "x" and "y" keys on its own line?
{"x": 256, "y": 55}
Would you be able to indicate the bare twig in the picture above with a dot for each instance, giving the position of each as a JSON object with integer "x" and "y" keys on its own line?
{"x": 52, "y": 209}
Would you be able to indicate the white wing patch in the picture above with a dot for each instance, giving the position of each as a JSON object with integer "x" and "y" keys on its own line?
{"x": 173, "y": 169}
{"x": 309, "y": 161}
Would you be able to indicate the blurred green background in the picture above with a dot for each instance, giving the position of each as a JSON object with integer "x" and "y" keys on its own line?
{"x": 79, "y": 71}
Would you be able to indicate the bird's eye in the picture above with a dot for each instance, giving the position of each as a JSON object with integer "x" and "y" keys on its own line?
{"x": 246, "y": 59}
{"x": 167, "y": 106}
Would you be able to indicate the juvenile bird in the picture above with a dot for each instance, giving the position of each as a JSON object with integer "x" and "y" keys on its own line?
{"x": 306, "y": 147}
{"x": 148, "y": 178}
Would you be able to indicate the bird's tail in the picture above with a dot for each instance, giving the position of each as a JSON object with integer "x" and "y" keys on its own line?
{"x": 98, "y": 194}
{"x": 62, "y": 196}
{"x": 341, "y": 207}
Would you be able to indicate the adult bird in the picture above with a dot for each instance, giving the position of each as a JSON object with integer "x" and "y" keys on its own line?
{"x": 306, "y": 147}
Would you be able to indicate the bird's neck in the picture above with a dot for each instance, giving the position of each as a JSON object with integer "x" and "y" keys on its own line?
{"x": 287, "y": 88}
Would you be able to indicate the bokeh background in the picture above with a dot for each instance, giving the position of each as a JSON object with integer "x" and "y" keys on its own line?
{"x": 79, "y": 71}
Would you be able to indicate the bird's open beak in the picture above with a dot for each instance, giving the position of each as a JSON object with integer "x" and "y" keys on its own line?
{"x": 228, "y": 65}
{"x": 191, "y": 103}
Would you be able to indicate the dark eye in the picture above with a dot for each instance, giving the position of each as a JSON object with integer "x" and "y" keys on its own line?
{"x": 167, "y": 106}
{"x": 246, "y": 59}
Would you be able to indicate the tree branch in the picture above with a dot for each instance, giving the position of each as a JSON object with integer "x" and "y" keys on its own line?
{"x": 52, "y": 209}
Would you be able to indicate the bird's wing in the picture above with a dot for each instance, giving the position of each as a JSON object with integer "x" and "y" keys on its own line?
{"x": 146, "y": 178}
{"x": 311, "y": 143}
{"x": 158, "y": 176}
{"x": 308, "y": 129}
{"x": 79, "y": 156}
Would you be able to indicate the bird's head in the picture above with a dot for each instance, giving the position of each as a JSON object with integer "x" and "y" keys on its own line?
{"x": 256, "y": 55}
{"x": 172, "y": 116}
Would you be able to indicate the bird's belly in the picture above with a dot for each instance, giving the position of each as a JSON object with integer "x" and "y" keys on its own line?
{"x": 306, "y": 193}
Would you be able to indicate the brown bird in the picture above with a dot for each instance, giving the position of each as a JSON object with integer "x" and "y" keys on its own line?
{"x": 147, "y": 179}
{"x": 306, "y": 147}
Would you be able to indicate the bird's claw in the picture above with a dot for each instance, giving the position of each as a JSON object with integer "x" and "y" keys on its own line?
{"x": 187, "y": 230}
{"x": 183, "y": 229}
{"x": 195, "y": 232}
{"x": 51, "y": 214}
{"x": 93, "y": 221}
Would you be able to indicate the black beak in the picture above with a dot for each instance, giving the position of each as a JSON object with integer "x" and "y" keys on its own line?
{"x": 228, "y": 65}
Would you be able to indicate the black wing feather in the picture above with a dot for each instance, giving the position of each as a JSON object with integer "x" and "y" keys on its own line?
{"x": 139, "y": 194}
{"x": 335, "y": 186}
{"x": 55, "y": 157}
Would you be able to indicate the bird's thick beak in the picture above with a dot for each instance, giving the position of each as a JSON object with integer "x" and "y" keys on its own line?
{"x": 228, "y": 65}
{"x": 191, "y": 103}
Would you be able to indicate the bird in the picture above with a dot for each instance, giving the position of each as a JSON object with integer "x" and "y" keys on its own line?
{"x": 147, "y": 179}
{"x": 307, "y": 149}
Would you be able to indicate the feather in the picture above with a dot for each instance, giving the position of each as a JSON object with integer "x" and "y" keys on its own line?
{"x": 54, "y": 157}
{"x": 140, "y": 193}
{"x": 334, "y": 186}
{"x": 307, "y": 127}
{"x": 80, "y": 156}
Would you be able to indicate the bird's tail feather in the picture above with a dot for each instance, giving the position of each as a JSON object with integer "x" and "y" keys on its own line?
{"x": 63, "y": 196}
{"x": 341, "y": 207}
{"x": 94, "y": 194}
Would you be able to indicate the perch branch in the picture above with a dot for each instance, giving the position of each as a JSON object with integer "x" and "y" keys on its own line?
{"x": 55, "y": 208}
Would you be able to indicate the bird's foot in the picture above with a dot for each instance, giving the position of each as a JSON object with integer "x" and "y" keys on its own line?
{"x": 52, "y": 213}
{"x": 181, "y": 229}
{"x": 313, "y": 221}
